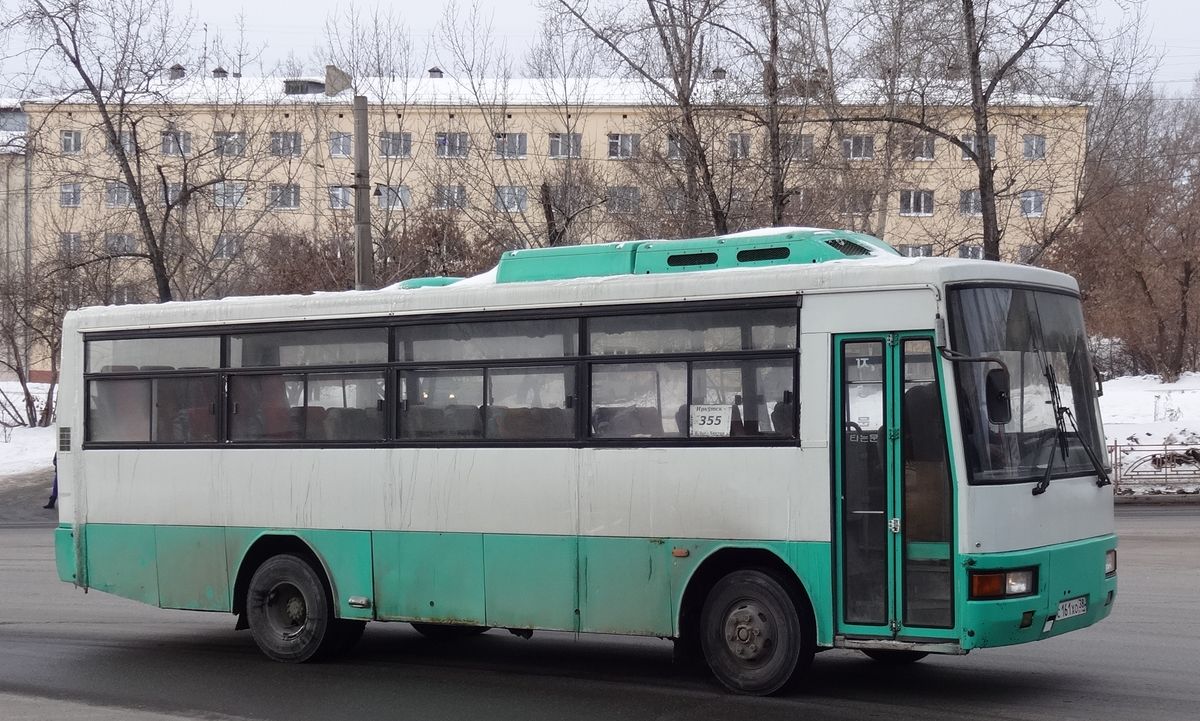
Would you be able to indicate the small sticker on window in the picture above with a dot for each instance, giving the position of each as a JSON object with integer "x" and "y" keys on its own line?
{"x": 710, "y": 421}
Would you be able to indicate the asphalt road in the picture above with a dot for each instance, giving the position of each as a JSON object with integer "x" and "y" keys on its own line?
{"x": 64, "y": 654}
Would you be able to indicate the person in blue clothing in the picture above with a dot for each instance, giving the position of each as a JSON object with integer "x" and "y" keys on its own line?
{"x": 54, "y": 488}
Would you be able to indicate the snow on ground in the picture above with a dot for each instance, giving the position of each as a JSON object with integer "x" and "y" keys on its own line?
{"x": 28, "y": 449}
{"x": 1143, "y": 410}
{"x": 23, "y": 450}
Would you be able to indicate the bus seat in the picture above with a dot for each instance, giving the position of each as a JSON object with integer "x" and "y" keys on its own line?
{"x": 158, "y": 368}
{"x": 782, "y": 416}
{"x": 530, "y": 423}
{"x": 312, "y": 420}
{"x": 118, "y": 369}
{"x": 463, "y": 421}
{"x": 627, "y": 422}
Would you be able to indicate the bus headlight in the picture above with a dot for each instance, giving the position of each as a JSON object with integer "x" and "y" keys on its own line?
{"x": 1003, "y": 584}
{"x": 1110, "y": 562}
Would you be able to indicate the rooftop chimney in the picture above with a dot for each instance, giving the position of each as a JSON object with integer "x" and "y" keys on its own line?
{"x": 220, "y": 72}
{"x": 718, "y": 73}
{"x": 435, "y": 72}
{"x": 175, "y": 72}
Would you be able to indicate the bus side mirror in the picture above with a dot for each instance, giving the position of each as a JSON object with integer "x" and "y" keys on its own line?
{"x": 996, "y": 388}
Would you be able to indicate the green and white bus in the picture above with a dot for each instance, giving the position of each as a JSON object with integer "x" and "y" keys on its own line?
{"x": 759, "y": 445}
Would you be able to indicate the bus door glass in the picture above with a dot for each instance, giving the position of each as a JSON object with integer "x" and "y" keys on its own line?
{"x": 895, "y": 559}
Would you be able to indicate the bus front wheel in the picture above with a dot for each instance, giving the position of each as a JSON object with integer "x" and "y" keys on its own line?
{"x": 751, "y": 633}
{"x": 290, "y": 614}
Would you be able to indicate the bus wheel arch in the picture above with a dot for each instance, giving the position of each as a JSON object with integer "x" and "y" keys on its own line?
{"x": 719, "y": 566}
{"x": 342, "y": 634}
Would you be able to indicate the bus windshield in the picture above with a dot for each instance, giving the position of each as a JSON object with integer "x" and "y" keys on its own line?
{"x": 1040, "y": 336}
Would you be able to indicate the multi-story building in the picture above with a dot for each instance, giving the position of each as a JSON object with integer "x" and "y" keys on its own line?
{"x": 225, "y": 164}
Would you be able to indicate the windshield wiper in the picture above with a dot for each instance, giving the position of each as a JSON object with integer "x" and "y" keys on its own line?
{"x": 1061, "y": 412}
{"x": 1055, "y": 404}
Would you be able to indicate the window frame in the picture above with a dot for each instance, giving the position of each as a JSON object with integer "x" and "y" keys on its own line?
{"x": 926, "y": 203}
{"x": 582, "y": 363}
{"x": 572, "y": 141}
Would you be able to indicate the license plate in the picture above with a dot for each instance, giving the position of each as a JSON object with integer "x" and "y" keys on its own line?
{"x": 1072, "y": 607}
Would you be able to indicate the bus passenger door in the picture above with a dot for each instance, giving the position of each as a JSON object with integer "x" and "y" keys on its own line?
{"x": 894, "y": 533}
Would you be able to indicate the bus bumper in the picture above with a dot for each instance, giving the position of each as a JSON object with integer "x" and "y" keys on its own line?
{"x": 64, "y": 553}
{"x": 1064, "y": 572}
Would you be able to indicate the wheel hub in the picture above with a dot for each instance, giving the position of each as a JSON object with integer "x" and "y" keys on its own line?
{"x": 749, "y": 633}
{"x": 286, "y": 610}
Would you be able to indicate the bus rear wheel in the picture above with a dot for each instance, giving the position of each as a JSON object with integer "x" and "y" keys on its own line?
{"x": 289, "y": 612}
{"x": 751, "y": 634}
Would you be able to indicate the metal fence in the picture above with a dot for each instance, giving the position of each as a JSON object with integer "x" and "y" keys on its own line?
{"x": 1145, "y": 466}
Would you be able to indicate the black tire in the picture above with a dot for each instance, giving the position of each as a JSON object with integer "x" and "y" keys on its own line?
{"x": 289, "y": 611}
{"x": 752, "y": 634}
{"x": 894, "y": 657}
{"x": 448, "y": 631}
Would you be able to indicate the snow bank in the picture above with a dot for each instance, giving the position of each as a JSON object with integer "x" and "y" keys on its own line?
{"x": 28, "y": 449}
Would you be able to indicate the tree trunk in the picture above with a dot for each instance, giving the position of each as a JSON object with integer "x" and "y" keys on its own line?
{"x": 983, "y": 151}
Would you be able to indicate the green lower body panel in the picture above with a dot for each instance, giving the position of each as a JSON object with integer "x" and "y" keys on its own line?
{"x": 592, "y": 584}
{"x": 1066, "y": 571}
{"x": 64, "y": 554}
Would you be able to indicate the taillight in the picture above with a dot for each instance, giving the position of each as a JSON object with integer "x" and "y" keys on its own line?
{"x": 1110, "y": 562}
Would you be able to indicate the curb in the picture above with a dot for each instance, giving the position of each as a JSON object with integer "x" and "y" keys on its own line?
{"x": 1159, "y": 499}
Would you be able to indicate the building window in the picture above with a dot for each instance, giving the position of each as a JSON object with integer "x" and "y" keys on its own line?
{"x": 915, "y": 251}
{"x": 857, "y": 202}
{"x": 739, "y": 146}
{"x": 284, "y": 196}
{"x": 858, "y": 147}
{"x": 623, "y": 146}
{"x": 229, "y": 194}
{"x": 117, "y": 195}
{"x": 72, "y": 141}
{"x": 1033, "y": 203}
{"x": 449, "y": 197}
{"x": 624, "y": 199}
{"x": 124, "y": 139}
{"x": 70, "y": 195}
{"x": 1027, "y": 253}
{"x": 119, "y": 243}
{"x": 566, "y": 199}
{"x": 674, "y": 146}
{"x": 341, "y": 145}
{"x": 796, "y": 147}
{"x": 1034, "y": 147}
{"x": 512, "y": 145}
{"x": 969, "y": 140}
{"x": 566, "y": 145}
{"x": 123, "y": 295}
{"x": 229, "y": 144}
{"x": 340, "y": 197}
{"x": 674, "y": 201}
{"x": 452, "y": 145}
{"x": 916, "y": 202}
{"x": 512, "y": 198}
{"x": 970, "y": 202}
{"x": 176, "y": 142}
{"x": 286, "y": 144}
{"x": 395, "y": 196}
{"x": 974, "y": 252}
{"x": 70, "y": 243}
{"x": 396, "y": 144}
{"x": 171, "y": 192}
{"x": 227, "y": 246}
{"x": 923, "y": 147}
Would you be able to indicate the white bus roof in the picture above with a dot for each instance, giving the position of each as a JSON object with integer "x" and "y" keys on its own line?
{"x": 482, "y": 292}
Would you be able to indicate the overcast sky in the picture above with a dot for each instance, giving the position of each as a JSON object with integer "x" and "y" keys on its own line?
{"x": 296, "y": 27}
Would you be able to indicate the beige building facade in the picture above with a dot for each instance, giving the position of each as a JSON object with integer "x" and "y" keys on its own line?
{"x": 225, "y": 165}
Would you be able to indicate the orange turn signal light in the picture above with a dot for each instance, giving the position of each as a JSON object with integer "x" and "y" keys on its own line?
{"x": 987, "y": 585}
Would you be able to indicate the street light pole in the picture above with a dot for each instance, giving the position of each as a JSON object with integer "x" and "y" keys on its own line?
{"x": 364, "y": 265}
